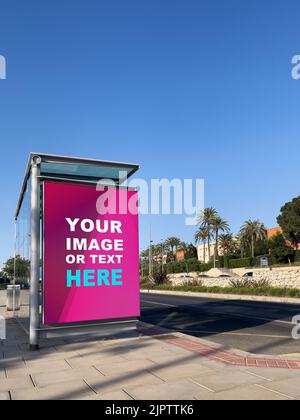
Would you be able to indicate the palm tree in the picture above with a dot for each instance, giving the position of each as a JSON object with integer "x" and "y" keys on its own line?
{"x": 182, "y": 246}
{"x": 173, "y": 244}
{"x": 251, "y": 232}
{"x": 201, "y": 236}
{"x": 206, "y": 221}
{"x": 242, "y": 244}
{"x": 219, "y": 225}
{"x": 227, "y": 244}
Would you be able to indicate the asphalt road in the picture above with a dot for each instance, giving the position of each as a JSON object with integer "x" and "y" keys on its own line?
{"x": 256, "y": 327}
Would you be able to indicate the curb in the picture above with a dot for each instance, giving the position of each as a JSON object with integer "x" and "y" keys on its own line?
{"x": 213, "y": 351}
{"x": 220, "y": 296}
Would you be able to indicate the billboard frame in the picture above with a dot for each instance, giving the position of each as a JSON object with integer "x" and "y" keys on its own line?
{"x": 36, "y": 177}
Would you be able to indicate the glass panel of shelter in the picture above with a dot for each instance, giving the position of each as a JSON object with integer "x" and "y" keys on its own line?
{"x": 22, "y": 255}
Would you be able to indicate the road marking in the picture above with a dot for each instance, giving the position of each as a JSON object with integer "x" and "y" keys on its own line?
{"x": 159, "y": 304}
{"x": 168, "y": 318}
{"x": 254, "y": 317}
{"x": 235, "y": 334}
{"x": 291, "y": 355}
{"x": 226, "y": 314}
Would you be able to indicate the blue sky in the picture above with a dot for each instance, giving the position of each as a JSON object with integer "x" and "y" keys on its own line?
{"x": 186, "y": 88}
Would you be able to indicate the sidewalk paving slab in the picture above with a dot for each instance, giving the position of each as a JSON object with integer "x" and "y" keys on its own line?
{"x": 119, "y": 382}
{"x": 7, "y": 385}
{"x": 47, "y": 366}
{"x": 74, "y": 390}
{"x": 288, "y": 386}
{"x": 178, "y": 369}
{"x": 274, "y": 374}
{"x": 233, "y": 379}
{"x": 81, "y": 362}
{"x": 110, "y": 396}
{"x": 245, "y": 393}
{"x": 2, "y": 374}
{"x": 4, "y": 396}
{"x": 42, "y": 380}
{"x": 183, "y": 389}
{"x": 125, "y": 367}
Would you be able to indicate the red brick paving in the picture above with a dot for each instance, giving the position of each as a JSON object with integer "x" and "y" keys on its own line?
{"x": 229, "y": 358}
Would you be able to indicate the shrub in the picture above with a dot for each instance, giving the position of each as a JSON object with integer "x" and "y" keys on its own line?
{"x": 260, "y": 283}
{"x": 240, "y": 263}
{"x": 160, "y": 278}
{"x": 188, "y": 265}
{"x": 248, "y": 283}
{"x": 144, "y": 280}
{"x": 241, "y": 283}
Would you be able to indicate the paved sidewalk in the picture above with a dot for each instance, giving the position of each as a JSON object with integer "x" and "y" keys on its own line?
{"x": 138, "y": 366}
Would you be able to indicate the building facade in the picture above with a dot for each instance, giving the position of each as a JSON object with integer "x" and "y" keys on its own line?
{"x": 204, "y": 251}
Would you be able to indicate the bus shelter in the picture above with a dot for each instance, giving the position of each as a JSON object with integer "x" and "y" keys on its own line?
{"x": 77, "y": 243}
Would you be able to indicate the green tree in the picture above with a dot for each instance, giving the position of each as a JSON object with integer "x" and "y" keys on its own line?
{"x": 201, "y": 236}
{"x": 280, "y": 250}
{"x": 21, "y": 265}
{"x": 289, "y": 221}
{"x": 262, "y": 247}
{"x": 219, "y": 225}
{"x": 205, "y": 222}
{"x": 173, "y": 245}
{"x": 191, "y": 252}
{"x": 227, "y": 244}
{"x": 251, "y": 232}
{"x": 242, "y": 244}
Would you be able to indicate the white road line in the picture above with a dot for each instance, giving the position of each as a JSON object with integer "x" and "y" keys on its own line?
{"x": 224, "y": 313}
{"x": 281, "y": 337}
{"x": 168, "y": 318}
{"x": 159, "y": 304}
{"x": 255, "y": 317}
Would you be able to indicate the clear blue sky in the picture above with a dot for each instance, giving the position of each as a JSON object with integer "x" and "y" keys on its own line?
{"x": 187, "y": 88}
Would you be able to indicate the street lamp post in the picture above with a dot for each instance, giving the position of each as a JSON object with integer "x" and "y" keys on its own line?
{"x": 150, "y": 255}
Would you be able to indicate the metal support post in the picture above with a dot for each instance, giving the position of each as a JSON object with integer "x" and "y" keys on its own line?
{"x": 35, "y": 255}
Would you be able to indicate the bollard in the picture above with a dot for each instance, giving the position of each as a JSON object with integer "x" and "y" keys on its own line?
{"x": 13, "y": 298}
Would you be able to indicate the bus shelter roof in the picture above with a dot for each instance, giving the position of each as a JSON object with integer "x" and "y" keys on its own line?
{"x": 77, "y": 169}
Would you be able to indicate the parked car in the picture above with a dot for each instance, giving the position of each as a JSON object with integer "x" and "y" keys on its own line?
{"x": 249, "y": 274}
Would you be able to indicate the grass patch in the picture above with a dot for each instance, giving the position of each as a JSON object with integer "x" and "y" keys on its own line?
{"x": 259, "y": 291}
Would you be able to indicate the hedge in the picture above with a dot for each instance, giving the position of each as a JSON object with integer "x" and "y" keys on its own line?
{"x": 187, "y": 266}
{"x": 241, "y": 263}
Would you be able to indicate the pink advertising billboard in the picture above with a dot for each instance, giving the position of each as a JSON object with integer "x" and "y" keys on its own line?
{"x": 91, "y": 254}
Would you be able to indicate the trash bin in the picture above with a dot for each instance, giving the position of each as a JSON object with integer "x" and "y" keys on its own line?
{"x": 13, "y": 298}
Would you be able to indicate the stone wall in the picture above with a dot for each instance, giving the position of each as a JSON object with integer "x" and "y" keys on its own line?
{"x": 276, "y": 278}
{"x": 193, "y": 278}
{"x": 280, "y": 278}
